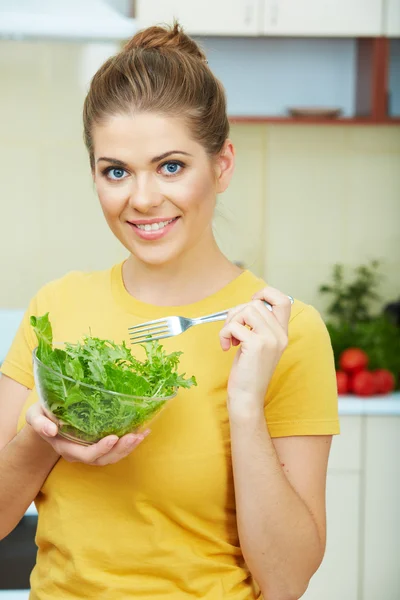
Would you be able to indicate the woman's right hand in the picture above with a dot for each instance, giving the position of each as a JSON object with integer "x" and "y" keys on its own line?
{"x": 107, "y": 451}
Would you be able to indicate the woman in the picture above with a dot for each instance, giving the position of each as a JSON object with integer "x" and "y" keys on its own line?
{"x": 226, "y": 497}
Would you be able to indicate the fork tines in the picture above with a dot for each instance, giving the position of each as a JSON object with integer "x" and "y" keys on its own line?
{"x": 152, "y": 330}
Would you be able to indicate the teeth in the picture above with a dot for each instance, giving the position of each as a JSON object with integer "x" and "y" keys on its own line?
{"x": 154, "y": 226}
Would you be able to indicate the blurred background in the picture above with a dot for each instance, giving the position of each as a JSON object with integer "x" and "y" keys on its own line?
{"x": 313, "y": 92}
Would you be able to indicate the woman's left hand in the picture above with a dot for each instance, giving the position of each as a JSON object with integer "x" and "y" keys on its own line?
{"x": 263, "y": 336}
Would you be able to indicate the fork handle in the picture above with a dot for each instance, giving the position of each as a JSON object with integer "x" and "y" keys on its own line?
{"x": 220, "y": 316}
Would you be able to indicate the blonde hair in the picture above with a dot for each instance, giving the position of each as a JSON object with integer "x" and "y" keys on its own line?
{"x": 160, "y": 70}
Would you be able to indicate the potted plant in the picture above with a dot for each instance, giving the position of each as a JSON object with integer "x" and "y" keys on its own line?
{"x": 366, "y": 345}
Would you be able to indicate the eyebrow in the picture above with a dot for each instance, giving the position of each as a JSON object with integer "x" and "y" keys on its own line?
{"x": 123, "y": 164}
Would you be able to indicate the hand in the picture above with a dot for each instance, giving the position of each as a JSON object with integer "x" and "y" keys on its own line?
{"x": 107, "y": 451}
{"x": 263, "y": 336}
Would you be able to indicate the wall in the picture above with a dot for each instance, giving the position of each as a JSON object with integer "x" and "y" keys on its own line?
{"x": 303, "y": 197}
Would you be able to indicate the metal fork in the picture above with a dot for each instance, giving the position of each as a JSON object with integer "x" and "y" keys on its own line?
{"x": 171, "y": 326}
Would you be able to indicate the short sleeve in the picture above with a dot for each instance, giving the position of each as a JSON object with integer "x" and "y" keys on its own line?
{"x": 302, "y": 395}
{"x": 18, "y": 362}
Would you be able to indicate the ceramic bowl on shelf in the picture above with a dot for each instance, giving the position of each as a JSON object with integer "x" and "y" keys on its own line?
{"x": 314, "y": 112}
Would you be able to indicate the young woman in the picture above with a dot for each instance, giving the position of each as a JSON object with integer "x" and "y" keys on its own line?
{"x": 226, "y": 496}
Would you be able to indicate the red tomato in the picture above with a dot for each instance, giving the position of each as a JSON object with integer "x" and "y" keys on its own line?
{"x": 353, "y": 360}
{"x": 342, "y": 380}
{"x": 363, "y": 383}
{"x": 384, "y": 381}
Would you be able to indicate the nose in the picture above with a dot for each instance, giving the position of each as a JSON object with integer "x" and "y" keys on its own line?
{"x": 145, "y": 195}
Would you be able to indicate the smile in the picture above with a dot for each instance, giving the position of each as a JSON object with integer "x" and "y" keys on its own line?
{"x": 153, "y": 230}
{"x": 154, "y": 226}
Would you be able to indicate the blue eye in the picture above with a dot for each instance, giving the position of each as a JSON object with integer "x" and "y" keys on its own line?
{"x": 172, "y": 167}
{"x": 116, "y": 173}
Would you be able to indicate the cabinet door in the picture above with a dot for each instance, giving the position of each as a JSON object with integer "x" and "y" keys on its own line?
{"x": 337, "y": 578}
{"x": 382, "y": 510}
{"x": 391, "y": 18}
{"x": 224, "y": 17}
{"x": 323, "y": 17}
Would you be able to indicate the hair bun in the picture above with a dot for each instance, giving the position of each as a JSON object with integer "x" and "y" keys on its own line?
{"x": 165, "y": 38}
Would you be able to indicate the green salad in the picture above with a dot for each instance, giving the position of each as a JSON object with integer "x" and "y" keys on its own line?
{"x": 91, "y": 413}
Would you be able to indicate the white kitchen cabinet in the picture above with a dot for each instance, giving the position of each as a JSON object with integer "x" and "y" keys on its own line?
{"x": 346, "y": 449}
{"x": 337, "y": 578}
{"x": 391, "y": 18}
{"x": 339, "y": 18}
{"x": 381, "y": 548}
{"x": 205, "y": 17}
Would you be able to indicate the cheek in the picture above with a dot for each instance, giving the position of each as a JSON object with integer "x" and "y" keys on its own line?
{"x": 197, "y": 196}
{"x": 112, "y": 200}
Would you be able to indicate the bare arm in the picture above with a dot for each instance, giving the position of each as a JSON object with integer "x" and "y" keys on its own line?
{"x": 25, "y": 459}
{"x": 280, "y": 496}
{"x": 280, "y": 483}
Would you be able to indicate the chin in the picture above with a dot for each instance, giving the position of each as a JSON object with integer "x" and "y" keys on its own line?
{"x": 155, "y": 255}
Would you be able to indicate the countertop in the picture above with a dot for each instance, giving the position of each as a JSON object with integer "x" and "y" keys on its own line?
{"x": 385, "y": 406}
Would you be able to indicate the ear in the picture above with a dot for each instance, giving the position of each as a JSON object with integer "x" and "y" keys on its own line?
{"x": 225, "y": 166}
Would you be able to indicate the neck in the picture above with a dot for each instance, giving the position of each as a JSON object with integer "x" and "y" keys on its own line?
{"x": 198, "y": 273}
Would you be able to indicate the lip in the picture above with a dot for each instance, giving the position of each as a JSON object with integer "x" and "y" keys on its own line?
{"x": 150, "y": 221}
{"x": 152, "y": 235}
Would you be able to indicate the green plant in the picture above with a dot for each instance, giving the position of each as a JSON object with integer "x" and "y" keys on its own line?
{"x": 351, "y": 301}
{"x": 379, "y": 338}
{"x": 352, "y": 324}
{"x": 109, "y": 368}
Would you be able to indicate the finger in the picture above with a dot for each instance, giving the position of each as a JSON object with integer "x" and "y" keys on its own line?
{"x": 41, "y": 424}
{"x": 249, "y": 316}
{"x": 233, "y": 312}
{"x": 75, "y": 452}
{"x": 281, "y": 304}
{"x": 234, "y": 331}
{"x": 274, "y": 326}
{"x": 122, "y": 448}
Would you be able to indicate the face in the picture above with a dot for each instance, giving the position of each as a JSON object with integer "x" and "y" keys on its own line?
{"x": 157, "y": 186}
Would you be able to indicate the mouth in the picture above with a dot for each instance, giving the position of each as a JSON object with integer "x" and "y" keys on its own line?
{"x": 152, "y": 229}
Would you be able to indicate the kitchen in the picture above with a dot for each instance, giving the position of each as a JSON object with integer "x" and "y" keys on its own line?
{"x": 317, "y": 183}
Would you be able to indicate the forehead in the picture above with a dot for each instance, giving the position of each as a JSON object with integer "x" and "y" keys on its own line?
{"x": 142, "y": 136}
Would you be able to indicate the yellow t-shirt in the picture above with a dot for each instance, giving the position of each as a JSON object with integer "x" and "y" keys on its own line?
{"x": 161, "y": 523}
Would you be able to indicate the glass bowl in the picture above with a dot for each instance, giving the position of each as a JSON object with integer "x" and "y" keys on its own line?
{"x": 85, "y": 413}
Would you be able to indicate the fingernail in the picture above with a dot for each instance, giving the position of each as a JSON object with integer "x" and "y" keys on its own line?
{"x": 145, "y": 433}
{"x": 49, "y": 430}
{"x": 130, "y": 441}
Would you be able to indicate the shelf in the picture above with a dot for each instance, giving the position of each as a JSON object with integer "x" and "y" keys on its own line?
{"x": 263, "y": 78}
{"x": 313, "y": 121}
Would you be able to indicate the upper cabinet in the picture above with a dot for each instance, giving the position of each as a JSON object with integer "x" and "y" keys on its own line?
{"x": 297, "y": 18}
{"x": 337, "y": 18}
{"x": 391, "y": 19}
{"x": 205, "y": 17}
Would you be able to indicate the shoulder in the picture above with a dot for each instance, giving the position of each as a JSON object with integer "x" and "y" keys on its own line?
{"x": 305, "y": 320}
{"x": 74, "y": 285}
{"x": 306, "y": 324}
{"x": 309, "y": 350}
{"x": 76, "y": 280}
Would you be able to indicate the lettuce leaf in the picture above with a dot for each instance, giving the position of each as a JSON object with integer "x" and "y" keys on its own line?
{"x": 111, "y": 368}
